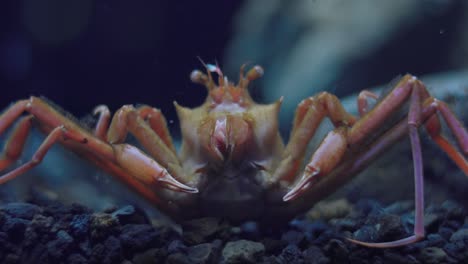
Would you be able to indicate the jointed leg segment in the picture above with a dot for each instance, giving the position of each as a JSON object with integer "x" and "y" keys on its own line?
{"x": 423, "y": 110}
{"x": 121, "y": 159}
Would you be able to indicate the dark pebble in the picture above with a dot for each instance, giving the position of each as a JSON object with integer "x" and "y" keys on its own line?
{"x": 202, "y": 253}
{"x": 137, "y": 238}
{"x": 21, "y": 210}
{"x": 242, "y": 251}
{"x": 150, "y": 256}
{"x": 201, "y": 230}
{"x": 131, "y": 215}
{"x": 57, "y": 233}
{"x": 314, "y": 255}
{"x": 15, "y": 228}
{"x": 432, "y": 255}
{"x": 60, "y": 247}
{"x": 103, "y": 225}
{"x": 176, "y": 246}
{"x": 337, "y": 250}
{"x": 273, "y": 246}
{"x": 291, "y": 254}
{"x": 76, "y": 259}
{"x": 293, "y": 237}
{"x": 79, "y": 225}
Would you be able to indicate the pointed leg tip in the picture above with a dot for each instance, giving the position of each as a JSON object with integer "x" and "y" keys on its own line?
{"x": 171, "y": 183}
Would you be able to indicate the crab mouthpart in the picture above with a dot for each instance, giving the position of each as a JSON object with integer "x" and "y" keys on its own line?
{"x": 171, "y": 183}
{"x": 220, "y": 138}
{"x": 308, "y": 178}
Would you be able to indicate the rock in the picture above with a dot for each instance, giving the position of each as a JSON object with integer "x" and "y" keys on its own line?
{"x": 291, "y": 254}
{"x": 201, "y": 230}
{"x": 103, "y": 225}
{"x": 445, "y": 232}
{"x": 79, "y": 226}
{"x": 337, "y": 249}
{"x": 390, "y": 256}
{"x": 21, "y": 210}
{"x": 151, "y": 256}
{"x": 314, "y": 255}
{"x": 131, "y": 215}
{"x": 293, "y": 237}
{"x": 76, "y": 259}
{"x": 311, "y": 229}
{"x": 273, "y": 246}
{"x": 399, "y": 208}
{"x": 326, "y": 210}
{"x": 60, "y": 247}
{"x": 461, "y": 236}
{"x": 389, "y": 228}
{"x": 366, "y": 233}
{"x": 139, "y": 237}
{"x": 433, "y": 255}
{"x": 454, "y": 210}
{"x": 435, "y": 240}
{"x": 176, "y": 246}
{"x": 178, "y": 258}
{"x": 113, "y": 250}
{"x": 15, "y": 228}
{"x": 242, "y": 251}
{"x": 202, "y": 253}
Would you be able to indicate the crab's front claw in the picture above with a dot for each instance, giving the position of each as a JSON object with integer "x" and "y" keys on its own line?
{"x": 169, "y": 182}
{"x": 147, "y": 170}
{"x": 325, "y": 159}
{"x": 309, "y": 177}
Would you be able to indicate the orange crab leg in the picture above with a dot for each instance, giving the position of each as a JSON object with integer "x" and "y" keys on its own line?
{"x": 14, "y": 146}
{"x": 363, "y": 105}
{"x": 103, "y": 121}
{"x": 309, "y": 115}
{"x": 158, "y": 123}
{"x": 127, "y": 119}
{"x": 122, "y": 155}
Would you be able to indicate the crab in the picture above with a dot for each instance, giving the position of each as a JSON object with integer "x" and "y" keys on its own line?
{"x": 233, "y": 162}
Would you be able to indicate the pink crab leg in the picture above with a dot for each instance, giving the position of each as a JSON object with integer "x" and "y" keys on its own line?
{"x": 414, "y": 120}
{"x": 363, "y": 105}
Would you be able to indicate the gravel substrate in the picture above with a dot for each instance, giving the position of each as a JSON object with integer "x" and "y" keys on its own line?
{"x": 50, "y": 232}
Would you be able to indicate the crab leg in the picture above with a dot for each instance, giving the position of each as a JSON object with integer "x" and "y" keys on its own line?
{"x": 158, "y": 123}
{"x": 121, "y": 155}
{"x": 309, "y": 115}
{"x": 103, "y": 121}
{"x": 414, "y": 120}
{"x": 418, "y": 92}
{"x": 363, "y": 105}
{"x": 14, "y": 146}
{"x": 153, "y": 116}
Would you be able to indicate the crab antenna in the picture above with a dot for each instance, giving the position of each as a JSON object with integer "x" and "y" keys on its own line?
{"x": 205, "y": 79}
{"x": 253, "y": 74}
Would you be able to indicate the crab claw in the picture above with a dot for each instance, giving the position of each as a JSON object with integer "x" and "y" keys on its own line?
{"x": 307, "y": 179}
{"x": 171, "y": 183}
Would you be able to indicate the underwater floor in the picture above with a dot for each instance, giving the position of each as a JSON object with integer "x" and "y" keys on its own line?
{"x": 45, "y": 231}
